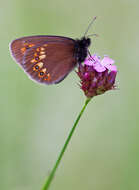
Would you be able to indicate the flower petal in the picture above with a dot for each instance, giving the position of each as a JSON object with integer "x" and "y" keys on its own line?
{"x": 107, "y": 61}
{"x": 99, "y": 68}
{"x": 95, "y": 62}
{"x": 112, "y": 68}
{"x": 92, "y": 60}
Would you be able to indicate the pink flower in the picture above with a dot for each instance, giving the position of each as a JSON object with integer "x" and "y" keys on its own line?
{"x": 97, "y": 76}
{"x": 101, "y": 65}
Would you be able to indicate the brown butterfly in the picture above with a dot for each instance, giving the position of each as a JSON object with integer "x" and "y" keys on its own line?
{"x": 49, "y": 59}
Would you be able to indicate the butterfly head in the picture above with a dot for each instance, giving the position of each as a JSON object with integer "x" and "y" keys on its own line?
{"x": 85, "y": 42}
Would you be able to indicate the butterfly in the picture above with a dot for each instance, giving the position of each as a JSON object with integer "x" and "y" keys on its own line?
{"x": 49, "y": 59}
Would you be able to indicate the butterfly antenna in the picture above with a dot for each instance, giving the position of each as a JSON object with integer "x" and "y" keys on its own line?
{"x": 90, "y": 25}
{"x": 96, "y": 35}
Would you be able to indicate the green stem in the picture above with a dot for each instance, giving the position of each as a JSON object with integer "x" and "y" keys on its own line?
{"x": 50, "y": 178}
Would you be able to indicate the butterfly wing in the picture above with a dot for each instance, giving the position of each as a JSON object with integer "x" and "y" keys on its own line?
{"x": 46, "y": 59}
{"x": 50, "y": 62}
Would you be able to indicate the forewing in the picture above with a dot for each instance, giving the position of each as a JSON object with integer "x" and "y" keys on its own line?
{"x": 19, "y": 46}
{"x": 46, "y": 59}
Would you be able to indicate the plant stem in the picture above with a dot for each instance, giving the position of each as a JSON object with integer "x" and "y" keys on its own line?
{"x": 50, "y": 178}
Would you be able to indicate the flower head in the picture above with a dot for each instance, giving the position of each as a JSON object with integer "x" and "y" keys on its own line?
{"x": 97, "y": 76}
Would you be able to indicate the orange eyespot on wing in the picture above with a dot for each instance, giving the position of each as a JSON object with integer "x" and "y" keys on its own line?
{"x": 38, "y": 66}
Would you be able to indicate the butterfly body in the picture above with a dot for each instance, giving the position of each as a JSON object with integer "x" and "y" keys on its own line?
{"x": 81, "y": 49}
{"x": 49, "y": 59}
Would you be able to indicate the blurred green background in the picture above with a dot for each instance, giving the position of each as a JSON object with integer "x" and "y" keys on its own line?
{"x": 35, "y": 119}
